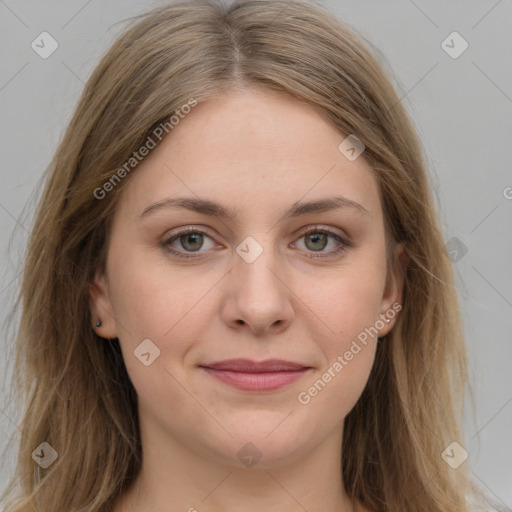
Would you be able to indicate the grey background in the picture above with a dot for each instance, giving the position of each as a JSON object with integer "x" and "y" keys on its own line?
{"x": 461, "y": 107}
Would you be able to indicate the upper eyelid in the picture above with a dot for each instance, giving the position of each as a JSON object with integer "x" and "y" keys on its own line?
{"x": 304, "y": 231}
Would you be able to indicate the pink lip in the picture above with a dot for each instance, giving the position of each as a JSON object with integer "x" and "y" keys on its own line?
{"x": 249, "y": 375}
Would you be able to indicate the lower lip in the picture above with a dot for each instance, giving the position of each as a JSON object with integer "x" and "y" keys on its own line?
{"x": 264, "y": 381}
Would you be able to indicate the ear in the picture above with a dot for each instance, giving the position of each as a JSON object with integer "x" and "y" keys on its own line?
{"x": 393, "y": 291}
{"x": 101, "y": 308}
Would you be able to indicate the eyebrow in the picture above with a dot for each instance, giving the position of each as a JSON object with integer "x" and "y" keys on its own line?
{"x": 206, "y": 207}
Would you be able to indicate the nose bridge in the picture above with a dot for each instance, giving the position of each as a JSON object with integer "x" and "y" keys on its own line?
{"x": 257, "y": 262}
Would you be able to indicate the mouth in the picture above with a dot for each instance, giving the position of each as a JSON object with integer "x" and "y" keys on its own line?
{"x": 255, "y": 376}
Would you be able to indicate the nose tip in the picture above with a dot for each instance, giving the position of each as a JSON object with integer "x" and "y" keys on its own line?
{"x": 257, "y": 298}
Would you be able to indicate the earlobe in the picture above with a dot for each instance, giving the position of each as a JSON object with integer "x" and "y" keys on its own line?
{"x": 102, "y": 314}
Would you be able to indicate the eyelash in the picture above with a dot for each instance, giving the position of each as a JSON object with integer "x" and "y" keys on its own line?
{"x": 344, "y": 245}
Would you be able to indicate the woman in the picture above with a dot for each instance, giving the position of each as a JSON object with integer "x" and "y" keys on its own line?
{"x": 236, "y": 293}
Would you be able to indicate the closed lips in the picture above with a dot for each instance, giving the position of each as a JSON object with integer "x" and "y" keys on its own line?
{"x": 247, "y": 366}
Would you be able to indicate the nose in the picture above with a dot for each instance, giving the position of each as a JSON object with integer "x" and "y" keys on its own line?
{"x": 258, "y": 296}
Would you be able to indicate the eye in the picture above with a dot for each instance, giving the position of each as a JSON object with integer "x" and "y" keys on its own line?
{"x": 189, "y": 241}
{"x": 317, "y": 239}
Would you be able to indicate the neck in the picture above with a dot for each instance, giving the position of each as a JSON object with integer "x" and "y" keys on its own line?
{"x": 192, "y": 482}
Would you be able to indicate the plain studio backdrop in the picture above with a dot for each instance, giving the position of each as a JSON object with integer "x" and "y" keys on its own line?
{"x": 453, "y": 67}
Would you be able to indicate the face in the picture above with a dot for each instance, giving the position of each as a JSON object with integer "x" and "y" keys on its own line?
{"x": 272, "y": 282}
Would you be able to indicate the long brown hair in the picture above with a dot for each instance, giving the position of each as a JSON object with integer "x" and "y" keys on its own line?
{"x": 74, "y": 388}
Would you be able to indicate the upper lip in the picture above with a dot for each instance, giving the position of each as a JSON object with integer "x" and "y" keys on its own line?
{"x": 248, "y": 366}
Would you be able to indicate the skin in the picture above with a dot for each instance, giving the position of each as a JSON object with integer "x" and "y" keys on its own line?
{"x": 257, "y": 152}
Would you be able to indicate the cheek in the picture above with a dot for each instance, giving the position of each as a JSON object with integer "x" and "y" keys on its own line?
{"x": 169, "y": 310}
{"x": 346, "y": 301}
{"x": 348, "y": 341}
{"x": 149, "y": 303}
{"x": 150, "y": 297}
{"x": 348, "y": 307}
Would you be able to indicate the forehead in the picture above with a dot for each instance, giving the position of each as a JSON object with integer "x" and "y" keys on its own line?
{"x": 254, "y": 151}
